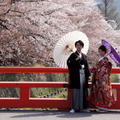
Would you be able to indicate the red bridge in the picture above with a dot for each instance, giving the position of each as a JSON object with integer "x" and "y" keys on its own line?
{"x": 26, "y": 102}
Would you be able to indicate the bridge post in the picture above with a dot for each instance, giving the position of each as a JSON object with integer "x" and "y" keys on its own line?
{"x": 24, "y": 94}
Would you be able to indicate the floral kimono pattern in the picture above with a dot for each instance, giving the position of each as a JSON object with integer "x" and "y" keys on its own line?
{"x": 101, "y": 91}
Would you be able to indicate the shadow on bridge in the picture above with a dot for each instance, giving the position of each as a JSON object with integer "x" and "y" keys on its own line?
{"x": 54, "y": 114}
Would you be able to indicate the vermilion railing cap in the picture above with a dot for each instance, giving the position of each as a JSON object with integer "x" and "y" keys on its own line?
{"x": 42, "y": 70}
{"x": 33, "y": 70}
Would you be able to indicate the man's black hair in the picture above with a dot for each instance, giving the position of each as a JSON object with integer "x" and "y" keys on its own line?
{"x": 80, "y": 42}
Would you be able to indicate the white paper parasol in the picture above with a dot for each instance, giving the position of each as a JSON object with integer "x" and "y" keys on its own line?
{"x": 66, "y": 45}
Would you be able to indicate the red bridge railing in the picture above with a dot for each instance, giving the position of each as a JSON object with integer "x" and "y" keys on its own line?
{"x": 25, "y": 101}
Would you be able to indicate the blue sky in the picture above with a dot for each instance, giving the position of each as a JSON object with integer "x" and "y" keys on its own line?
{"x": 116, "y": 3}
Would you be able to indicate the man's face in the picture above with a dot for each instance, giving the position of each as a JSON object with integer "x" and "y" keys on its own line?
{"x": 78, "y": 47}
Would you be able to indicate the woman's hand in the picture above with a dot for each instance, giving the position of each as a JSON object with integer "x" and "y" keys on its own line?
{"x": 94, "y": 69}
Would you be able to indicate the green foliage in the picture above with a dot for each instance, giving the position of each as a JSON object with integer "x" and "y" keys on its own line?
{"x": 64, "y": 95}
{"x": 56, "y": 76}
{"x": 114, "y": 78}
{"x": 37, "y": 92}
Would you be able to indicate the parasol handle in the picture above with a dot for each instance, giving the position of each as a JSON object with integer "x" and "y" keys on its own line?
{"x": 108, "y": 53}
{"x": 67, "y": 47}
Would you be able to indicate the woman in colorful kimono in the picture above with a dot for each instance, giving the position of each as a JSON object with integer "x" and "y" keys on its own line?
{"x": 101, "y": 92}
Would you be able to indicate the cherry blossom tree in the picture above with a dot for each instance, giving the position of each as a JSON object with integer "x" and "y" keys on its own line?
{"x": 30, "y": 29}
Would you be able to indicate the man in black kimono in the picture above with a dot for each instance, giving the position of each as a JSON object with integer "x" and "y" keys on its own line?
{"x": 79, "y": 74}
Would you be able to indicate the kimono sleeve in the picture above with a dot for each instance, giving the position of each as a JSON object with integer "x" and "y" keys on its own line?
{"x": 71, "y": 60}
{"x": 88, "y": 73}
{"x": 106, "y": 68}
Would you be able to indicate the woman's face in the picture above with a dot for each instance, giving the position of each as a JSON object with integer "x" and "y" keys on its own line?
{"x": 78, "y": 47}
{"x": 101, "y": 53}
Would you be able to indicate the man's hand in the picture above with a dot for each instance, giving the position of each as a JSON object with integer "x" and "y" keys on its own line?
{"x": 77, "y": 58}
